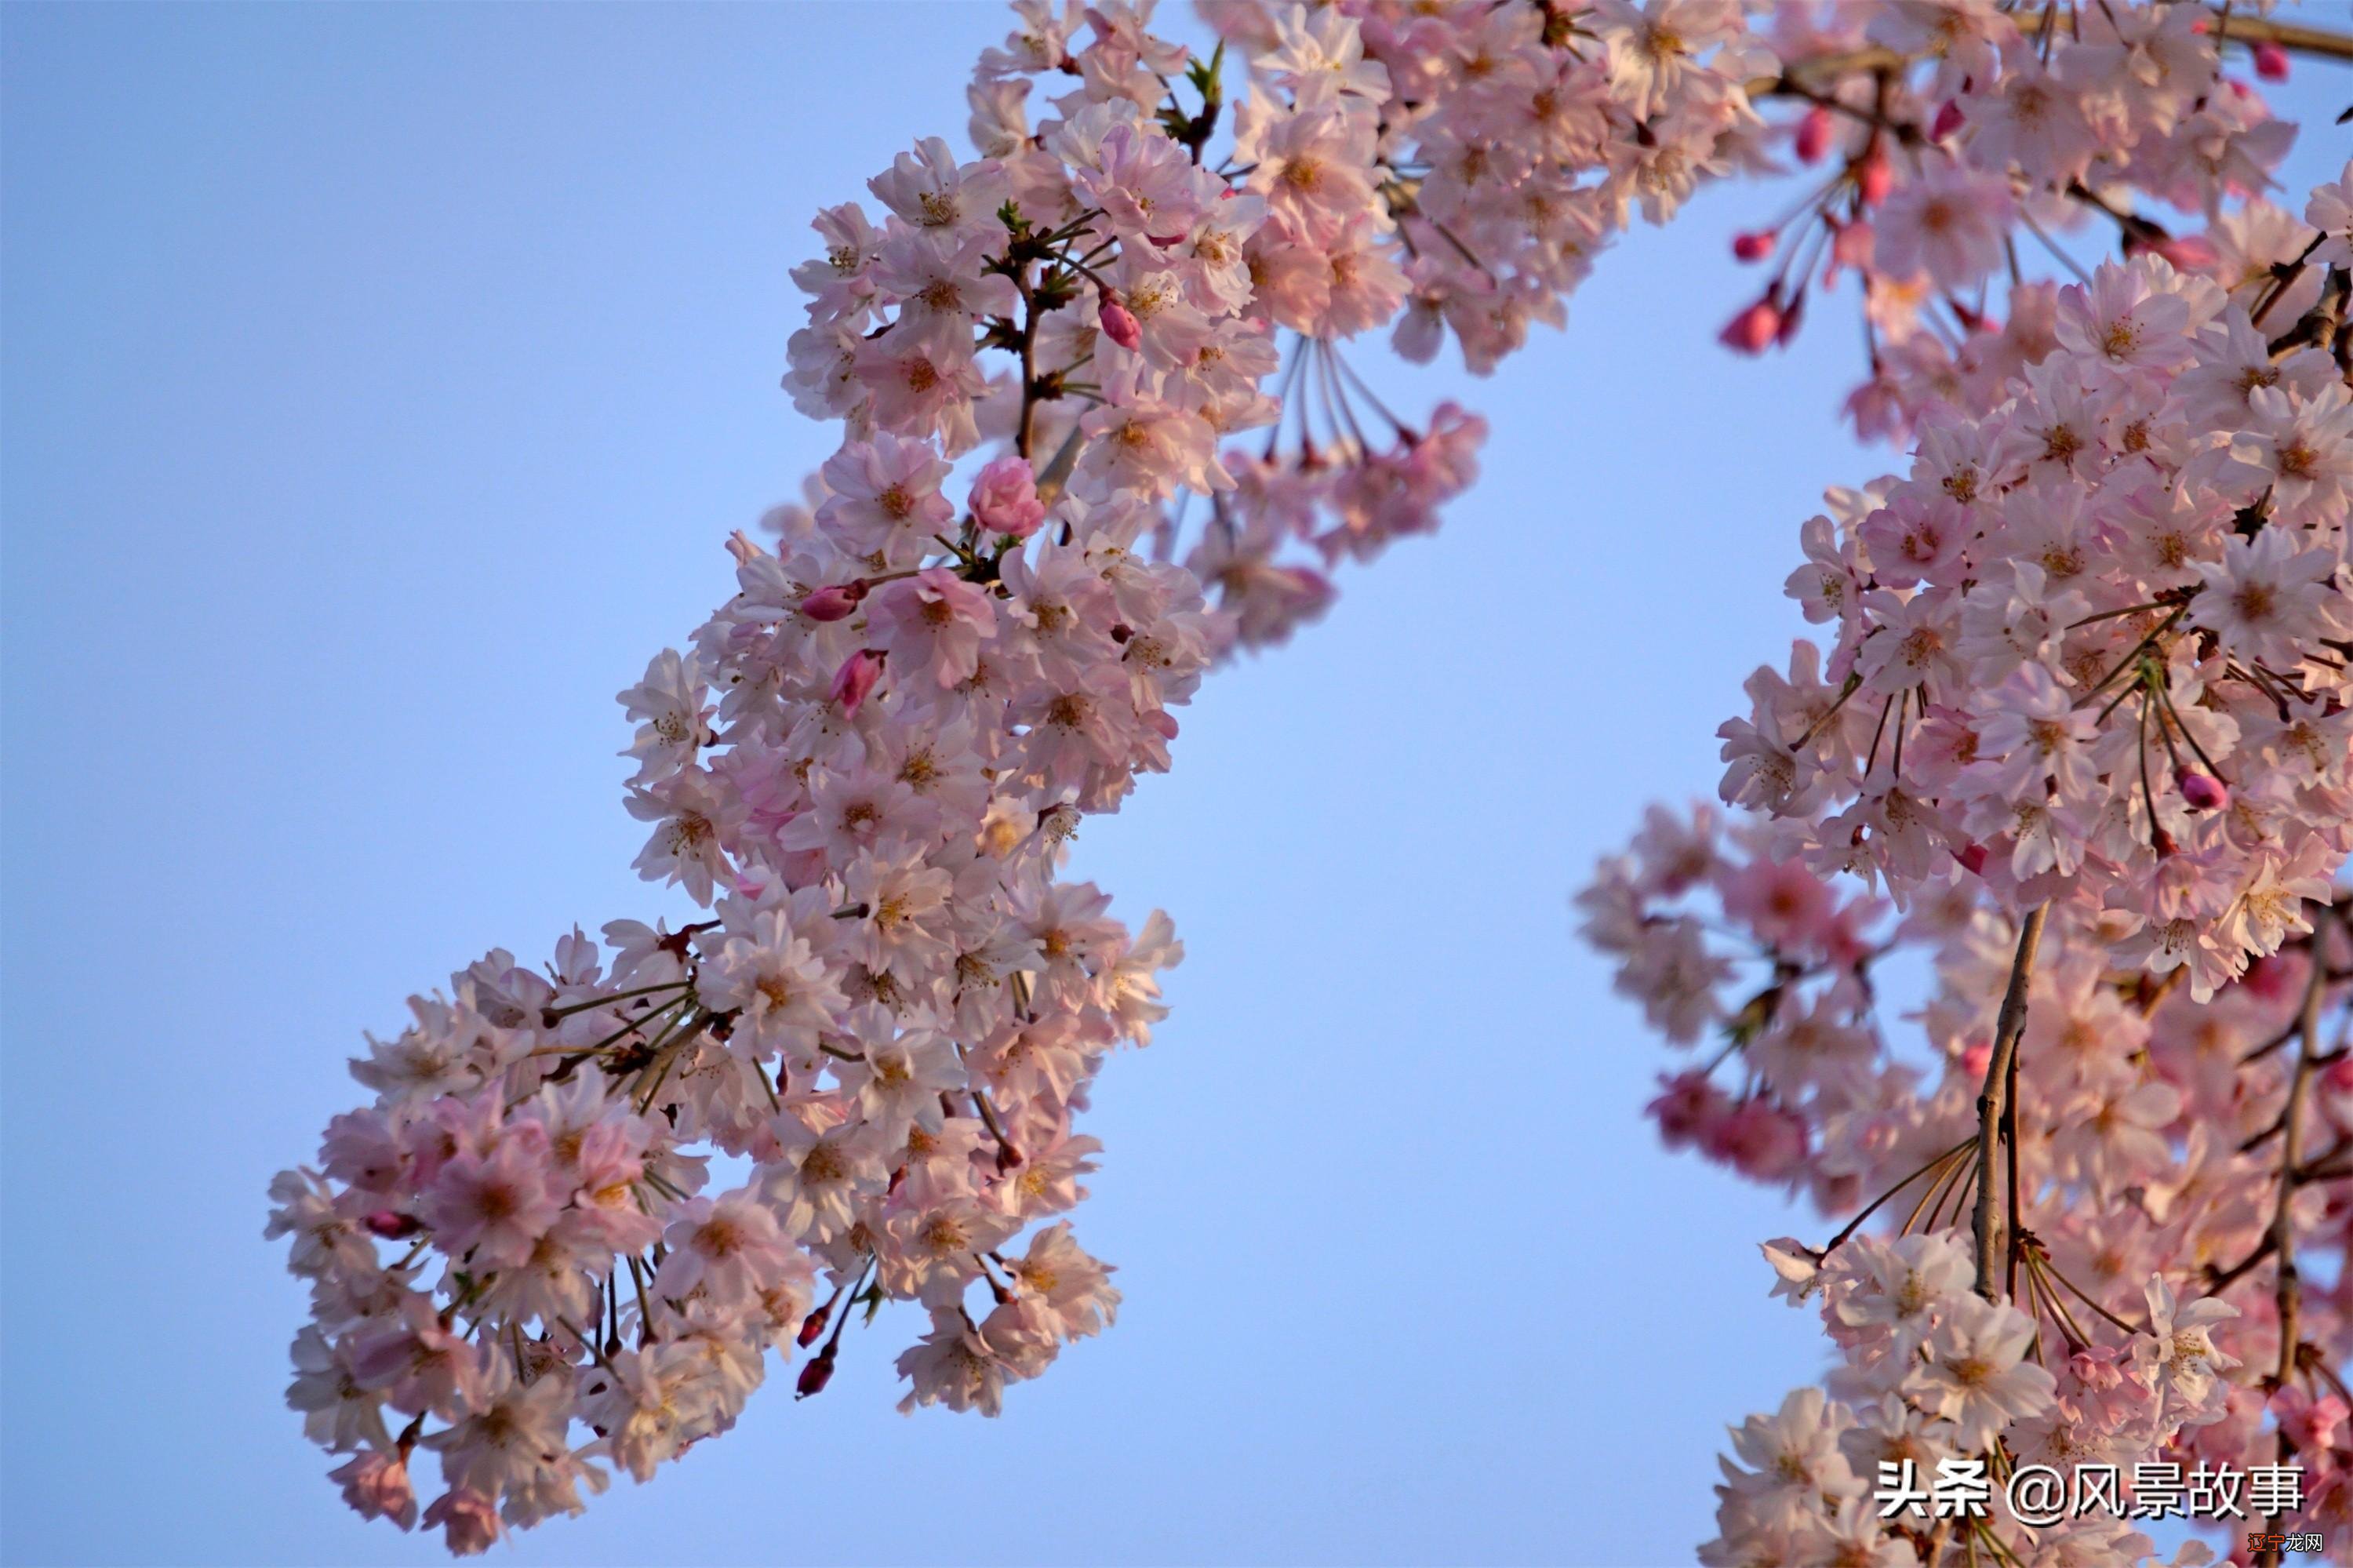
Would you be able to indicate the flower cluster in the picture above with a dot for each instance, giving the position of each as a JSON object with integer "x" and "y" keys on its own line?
{"x": 2086, "y": 672}
{"x": 2092, "y": 646}
{"x": 1454, "y": 170}
{"x": 586, "y": 1202}
{"x": 2078, "y": 737}
{"x": 1931, "y": 1372}
{"x": 1955, "y": 133}
{"x": 2154, "y": 1162}
{"x": 891, "y": 1016}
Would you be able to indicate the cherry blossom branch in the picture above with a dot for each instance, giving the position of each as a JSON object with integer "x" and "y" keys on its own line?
{"x": 1996, "y": 1129}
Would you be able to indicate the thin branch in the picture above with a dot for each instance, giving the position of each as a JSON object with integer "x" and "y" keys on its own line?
{"x": 1993, "y": 1100}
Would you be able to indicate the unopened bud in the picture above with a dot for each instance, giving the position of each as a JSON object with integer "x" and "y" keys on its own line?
{"x": 2201, "y": 792}
{"x": 1009, "y": 1157}
{"x": 1753, "y": 329}
{"x": 813, "y": 1325}
{"x": 1790, "y": 318}
{"x": 815, "y": 1374}
{"x": 1972, "y": 858}
{"x": 1875, "y": 177}
{"x": 1754, "y": 246}
{"x": 2271, "y": 61}
{"x": 391, "y": 1224}
{"x": 1948, "y": 121}
{"x": 856, "y": 678}
{"x": 1119, "y": 322}
{"x": 1814, "y": 132}
{"x": 834, "y": 603}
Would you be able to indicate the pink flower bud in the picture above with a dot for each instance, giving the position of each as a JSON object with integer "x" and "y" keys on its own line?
{"x": 1875, "y": 177}
{"x": 856, "y": 678}
{"x": 1790, "y": 318}
{"x": 1948, "y": 121}
{"x": 1814, "y": 132}
{"x": 391, "y": 1224}
{"x": 1753, "y": 329}
{"x": 1972, "y": 858}
{"x": 1755, "y": 245}
{"x": 834, "y": 603}
{"x": 1163, "y": 722}
{"x": 815, "y": 1374}
{"x": 2200, "y": 792}
{"x": 2271, "y": 61}
{"x": 1005, "y": 498}
{"x": 1119, "y": 322}
{"x": 1975, "y": 1059}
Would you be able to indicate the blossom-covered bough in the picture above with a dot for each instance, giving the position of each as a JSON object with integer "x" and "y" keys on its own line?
{"x": 2078, "y": 736}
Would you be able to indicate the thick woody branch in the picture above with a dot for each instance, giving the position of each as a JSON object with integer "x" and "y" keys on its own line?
{"x": 1802, "y": 79}
{"x": 1994, "y": 1125}
{"x": 2286, "y": 35}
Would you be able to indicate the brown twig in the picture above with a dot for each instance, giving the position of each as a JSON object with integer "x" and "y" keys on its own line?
{"x": 2287, "y": 1293}
{"x": 1993, "y": 1100}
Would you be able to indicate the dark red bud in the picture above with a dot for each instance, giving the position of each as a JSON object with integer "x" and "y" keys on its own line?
{"x": 813, "y": 1325}
{"x": 1789, "y": 320}
{"x": 815, "y": 1374}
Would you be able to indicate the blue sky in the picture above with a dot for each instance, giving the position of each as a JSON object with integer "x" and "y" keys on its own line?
{"x": 379, "y": 386}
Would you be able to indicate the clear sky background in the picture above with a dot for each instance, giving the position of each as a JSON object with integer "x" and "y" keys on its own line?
{"x": 380, "y": 384}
